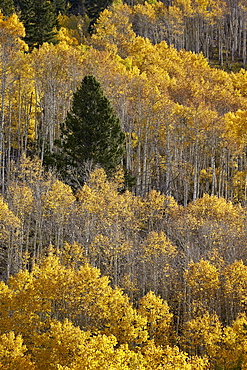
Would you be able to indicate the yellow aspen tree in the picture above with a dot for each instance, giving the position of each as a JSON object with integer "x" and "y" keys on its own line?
{"x": 114, "y": 31}
{"x": 235, "y": 136}
{"x": 8, "y": 219}
{"x": 28, "y": 173}
{"x": 157, "y": 22}
{"x": 73, "y": 255}
{"x": 20, "y": 129}
{"x": 64, "y": 345}
{"x": 234, "y": 288}
{"x": 232, "y": 352}
{"x": 76, "y": 27}
{"x": 102, "y": 352}
{"x": 157, "y": 251}
{"x": 59, "y": 345}
{"x": 200, "y": 122}
{"x": 156, "y": 209}
{"x": 65, "y": 36}
{"x": 159, "y": 318}
{"x": 239, "y": 80}
{"x": 202, "y": 336}
{"x": 202, "y": 282}
{"x": 58, "y": 207}
{"x": 10, "y": 225}
{"x": 119, "y": 318}
{"x": 21, "y": 200}
{"x": 202, "y": 15}
{"x": 83, "y": 296}
{"x": 11, "y": 31}
{"x": 143, "y": 53}
{"x": 33, "y": 300}
{"x": 13, "y": 353}
{"x": 58, "y": 70}
{"x": 214, "y": 223}
{"x": 26, "y": 306}
{"x": 171, "y": 358}
{"x": 6, "y": 296}
{"x": 109, "y": 223}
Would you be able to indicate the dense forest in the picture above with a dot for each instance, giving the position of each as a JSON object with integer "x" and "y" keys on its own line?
{"x": 123, "y": 185}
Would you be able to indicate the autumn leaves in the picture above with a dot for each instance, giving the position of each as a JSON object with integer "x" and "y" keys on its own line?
{"x": 70, "y": 318}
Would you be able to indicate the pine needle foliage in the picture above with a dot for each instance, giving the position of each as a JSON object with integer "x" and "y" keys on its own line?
{"x": 91, "y": 135}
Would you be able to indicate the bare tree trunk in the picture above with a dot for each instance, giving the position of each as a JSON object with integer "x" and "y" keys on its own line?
{"x": 168, "y": 163}
{"x": 2, "y": 146}
{"x": 195, "y": 180}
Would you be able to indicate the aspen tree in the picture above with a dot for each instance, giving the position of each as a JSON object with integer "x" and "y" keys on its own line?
{"x": 202, "y": 281}
{"x": 159, "y": 318}
{"x": 10, "y": 225}
{"x": 58, "y": 207}
{"x": 11, "y": 31}
{"x": 13, "y": 353}
{"x": 171, "y": 358}
{"x": 55, "y": 81}
{"x": 113, "y": 30}
{"x": 234, "y": 276}
{"x": 202, "y": 335}
{"x": 232, "y": 352}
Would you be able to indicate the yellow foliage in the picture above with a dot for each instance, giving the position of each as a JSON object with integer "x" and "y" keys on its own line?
{"x": 202, "y": 335}
{"x": 8, "y": 221}
{"x": 114, "y": 31}
{"x": 59, "y": 200}
{"x": 203, "y": 278}
{"x": 58, "y": 345}
{"x": 6, "y": 297}
{"x": 64, "y": 35}
{"x": 171, "y": 358}
{"x": 240, "y": 81}
{"x": 13, "y": 353}
{"x": 74, "y": 28}
{"x": 236, "y": 125}
{"x": 28, "y": 171}
{"x": 22, "y": 199}
{"x": 158, "y": 244}
{"x": 100, "y": 352}
{"x": 159, "y": 318}
{"x": 232, "y": 352}
{"x": 156, "y": 205}
{"x": 11, "y": 29}
{"x": 53, "y": 290}
{"x": 217, "y": 209}
{"x": 112, "y": 214}
{"x": 73, "y": 255}
{"x": 235, "y": 281}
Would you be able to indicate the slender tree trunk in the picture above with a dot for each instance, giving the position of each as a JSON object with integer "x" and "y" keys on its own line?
{"x": 196, "y": 161}
{"x": 168, "y": 163}
{"x": 2, "y": 146}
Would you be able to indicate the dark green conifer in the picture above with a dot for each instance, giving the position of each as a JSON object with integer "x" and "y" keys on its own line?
{"x": 76, "y": 7}
{"x": 7, "y": 7}
{"x": 39, "y": 19}
{"x": 60, "y": 6}
{"x": 91, "y": 135}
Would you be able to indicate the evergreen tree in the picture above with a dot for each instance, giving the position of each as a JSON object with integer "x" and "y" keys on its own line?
{"x": 39, "y": 19}
{"x": 60, "y": 6}
{"x": 7, "y": 7}
{"x": 91, "y": 135}
{"x": 76, "y": 7}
